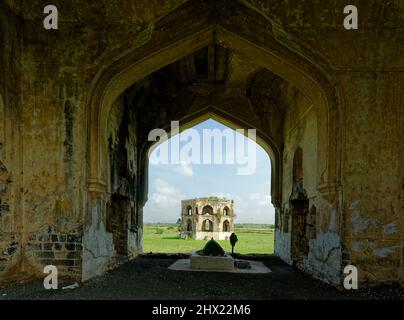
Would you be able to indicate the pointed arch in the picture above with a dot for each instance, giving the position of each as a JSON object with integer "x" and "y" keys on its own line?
{"x": 267, "y": 50}
{"x": 226, "y": 226}
{"x": 207, "y": 210}
{"x": 232, "y": 122}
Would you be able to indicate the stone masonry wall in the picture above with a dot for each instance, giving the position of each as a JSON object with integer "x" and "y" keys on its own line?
{"x": 51, "y": 247}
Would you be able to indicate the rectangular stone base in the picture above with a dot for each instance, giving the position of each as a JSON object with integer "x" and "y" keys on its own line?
{"x": 199, "y": 262}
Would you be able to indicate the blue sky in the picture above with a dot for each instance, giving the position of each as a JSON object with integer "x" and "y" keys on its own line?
{"x": 171, "y": 183}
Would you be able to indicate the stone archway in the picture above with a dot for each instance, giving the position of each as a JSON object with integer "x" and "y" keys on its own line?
{"x": 310, "y": 78}
{"x": 269, "y": 50}
{"x": 226, "y": 226}
{"x": 189, "y": 210}
{"x": 207, "y": 210}
{"x": 189, "y": 225}
{"x": 207, "y": 225}
{"x": 231, "y": 121}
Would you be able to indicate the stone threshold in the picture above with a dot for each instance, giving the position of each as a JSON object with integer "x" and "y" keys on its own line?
{"x": 257, "y": 267}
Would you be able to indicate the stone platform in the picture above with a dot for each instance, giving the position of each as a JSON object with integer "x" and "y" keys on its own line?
{"x": 200, "y": 262}
{"x": 185, "y": 265}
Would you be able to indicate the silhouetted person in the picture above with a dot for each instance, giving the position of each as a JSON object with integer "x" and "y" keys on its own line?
{"x": 233, "y": 240}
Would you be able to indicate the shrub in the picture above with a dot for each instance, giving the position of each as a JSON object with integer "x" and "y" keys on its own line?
{"x": 212, "y": 248}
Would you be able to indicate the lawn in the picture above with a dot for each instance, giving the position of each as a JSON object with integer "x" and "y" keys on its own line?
{"x": 165, "y": 238}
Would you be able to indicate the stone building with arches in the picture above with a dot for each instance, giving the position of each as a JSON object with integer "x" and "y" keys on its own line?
{"x": 206, "y": 218}
{"x": 77, "y": 106}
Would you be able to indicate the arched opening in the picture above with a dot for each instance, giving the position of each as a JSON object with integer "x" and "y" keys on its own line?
{"x": 189, "y": 225}
{"x": 207, "y": 226}
{"x": 226, "y": 226}
{"x": 266, "y": 66}
{"x": 207, "y": 210}
{"x": 189, "y": 210}
{"x": 117, "y": 224}
{"x": 258, "y": 64}
{"x": 299, "y": 206}
{"x": 248, "y": 194}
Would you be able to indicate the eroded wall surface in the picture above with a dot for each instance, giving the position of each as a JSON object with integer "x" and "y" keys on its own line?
{"x": 10, "y": 148}
{"x": 373, "y": 188}
{"x": 114, "y": 232}
{"x": 320, "y": 229}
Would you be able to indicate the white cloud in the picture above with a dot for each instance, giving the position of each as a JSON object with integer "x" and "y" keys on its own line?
{"x": 252, "y": 201}
{"x": 164, "y": 203}
{"x": 164, "y": 188}
{"x": 165, "y": 196}
{"x": 260, "y": 199}
{"x": 184, "y": 169}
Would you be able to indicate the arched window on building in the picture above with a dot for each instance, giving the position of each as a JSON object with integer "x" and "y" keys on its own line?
{"x": 207, "y": 210}
{"x": 226, "y": 211}
{"x": 207, "y": 226}
{"x": 189, "y": 210}
{"x": 226, "y": 226}
{"x": 189, "y": 225}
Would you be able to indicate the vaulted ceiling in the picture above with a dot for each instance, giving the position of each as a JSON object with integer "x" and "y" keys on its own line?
{"x": 214, "y": 76}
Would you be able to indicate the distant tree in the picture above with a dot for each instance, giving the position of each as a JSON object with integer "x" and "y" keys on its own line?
{"x": 212, "y": 248}
{"x": 179, "y": 225}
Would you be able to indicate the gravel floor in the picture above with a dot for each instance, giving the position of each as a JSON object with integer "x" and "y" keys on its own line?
{"x": 147, "y": 277}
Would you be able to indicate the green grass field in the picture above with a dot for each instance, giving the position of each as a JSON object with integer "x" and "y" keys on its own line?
{"x": 159, "y": 238}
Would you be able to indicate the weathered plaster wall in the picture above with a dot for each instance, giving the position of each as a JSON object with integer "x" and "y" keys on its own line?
{"x": 98, "y": 248}
{"x": 57, "y": 69}
{"x": 10, "y": 148}
{"x": 374, "y": 176}
{"x": 368, "y": 64}
{"x": 108, "y": 235}
{"x": 123, "y": 173}
{"x": 323, "y": 259}
{"x": 53, "y": 160}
